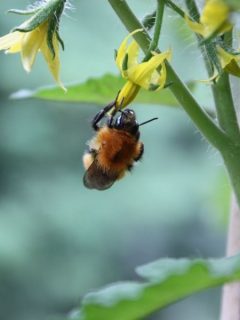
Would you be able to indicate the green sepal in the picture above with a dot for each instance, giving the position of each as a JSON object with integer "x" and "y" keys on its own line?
{"x": 23, "y": 12}
{"x": 58, "y": 14}
{"x": 149, "y": 21}
{"x": 228, "y": 48}
{"x": 50, "y": 33}
{"x": 60, "y": 40}
{"x": 125, "y": 62}
{"x": 233, "y": 68}
{"x": 53, "y": 26}
{"x": 31, "y": 23}
{"x": 153, "y": 87}
{"x": 44, "y": 13}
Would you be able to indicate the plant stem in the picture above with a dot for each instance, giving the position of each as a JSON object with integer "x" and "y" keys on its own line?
{"x": 174, "y": 7}
{"x": 193, "y": 9}
{"x": 225, "y": 107}
{"x": 204, "y": 123}
{"x": 157, "y": 30}
{"x": 231, "y": 156}
{"x": 222, "y": 92}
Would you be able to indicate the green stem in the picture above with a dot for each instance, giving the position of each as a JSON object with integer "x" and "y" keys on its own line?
{"x": 231, "y": 158}
{"x": 226, "y": 113}
{"x": 222, "y": 92}
{"x": 175, "y": 8}
{"x": 193, "y": 9}
{"x": 157, "y": 30}
{"x": 204, "y": 123}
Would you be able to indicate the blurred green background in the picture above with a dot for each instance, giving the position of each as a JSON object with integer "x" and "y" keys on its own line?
{"x": 59, "y": 240}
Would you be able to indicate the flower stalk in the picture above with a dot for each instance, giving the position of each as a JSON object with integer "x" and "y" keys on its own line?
{"x": 158, "y": 24}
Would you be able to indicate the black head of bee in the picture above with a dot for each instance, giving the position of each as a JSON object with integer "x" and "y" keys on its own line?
{"x": 126, "y": 121}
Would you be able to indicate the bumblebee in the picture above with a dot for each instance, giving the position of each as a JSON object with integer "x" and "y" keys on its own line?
{"x": 114, "y": 149}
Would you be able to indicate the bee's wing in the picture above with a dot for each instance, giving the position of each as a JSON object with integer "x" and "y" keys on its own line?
{"x": 96, "y": 178}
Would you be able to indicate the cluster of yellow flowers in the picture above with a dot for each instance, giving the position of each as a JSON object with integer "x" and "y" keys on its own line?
{"x": 150, "y": 75}
{"x": 215, "y": 20}
{"x": 41, "y": 34}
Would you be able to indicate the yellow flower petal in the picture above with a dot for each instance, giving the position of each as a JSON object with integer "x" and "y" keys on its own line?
{"x": 34, "y": 35}
{"x": 17, "y": 47}
{"x": 127, "y": 94}
{"x": 10, "y": 40}
{"x": 31, "y": 43}
{"x": 229, "y": 62}
{"x": 53, "y": 62}
{"x": 122, "y": 51}
{"x": 195, "y": 26}
{"x": 141, "y": 74}
{"x": 161, "y": 79}
{"x": 133, "y": 52}
{"x": 150, "y": 75}
{"x": 214, "y": 18}
{"x": 215, "y": 15}
{"x": 225, "y": 57}
{"x": 233, "y": 68}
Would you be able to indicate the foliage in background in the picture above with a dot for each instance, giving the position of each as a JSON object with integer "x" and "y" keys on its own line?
{"x": 169, "y": 281}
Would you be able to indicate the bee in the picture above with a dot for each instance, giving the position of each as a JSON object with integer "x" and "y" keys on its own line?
{"x": 114, "y": 149}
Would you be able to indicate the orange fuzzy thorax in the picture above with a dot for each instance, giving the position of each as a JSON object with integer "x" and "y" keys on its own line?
{"x": 116, "y": 149}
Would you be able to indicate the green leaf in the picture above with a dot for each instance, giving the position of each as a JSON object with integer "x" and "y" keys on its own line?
{"x": 98, "y": 91}
{"x": 168, "y": 280}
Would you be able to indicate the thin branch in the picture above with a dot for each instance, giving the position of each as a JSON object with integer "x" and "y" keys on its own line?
{"x": 157, "y": 30}
{"x": 175, "y": 8}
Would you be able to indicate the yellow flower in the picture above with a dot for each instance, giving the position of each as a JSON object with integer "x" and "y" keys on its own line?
{"x": 38, "y": 33}
{"x": 150, "y": 75}
{"x": 29, "y": 43}
{"x": 214, "y": 19}
{"x": 229, "y": 62}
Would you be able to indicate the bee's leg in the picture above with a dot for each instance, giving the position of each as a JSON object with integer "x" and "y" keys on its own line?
{"x": 140, "y": 152}
{"x": 116, "y": 109}
{"x": 110, "y": 119}
{"x": 98, "y": 117}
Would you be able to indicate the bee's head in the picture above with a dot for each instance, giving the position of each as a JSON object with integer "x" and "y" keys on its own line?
{"x": 127, "y": 121}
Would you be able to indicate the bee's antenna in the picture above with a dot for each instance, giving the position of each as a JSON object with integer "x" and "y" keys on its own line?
{"x": 147, "y": 121}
